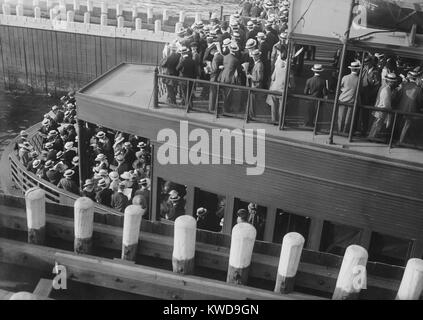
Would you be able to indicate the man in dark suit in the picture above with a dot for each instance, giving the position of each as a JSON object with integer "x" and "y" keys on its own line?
{"x": 119, "y": 201}
{"x": 170, "y": 63}
{"x": 315, "y": 87}
{"x": 186, "y": 69}
{"x": 370, "y": 84}
{"x": 104, "y": 195}
{"x": 67, "y": 183}
{"x": 257, "y": 81}
{"x": 263, "y": 47}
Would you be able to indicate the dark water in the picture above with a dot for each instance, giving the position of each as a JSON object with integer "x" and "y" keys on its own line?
{"x": 19, "y": 112}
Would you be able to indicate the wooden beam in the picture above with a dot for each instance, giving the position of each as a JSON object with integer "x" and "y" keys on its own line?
{"x": 43, "y": 288}
{"x": 270, "y": 224}
{"x": 365, "y": 237}
{"x": 264, "y": 267}
{"x": 157, "y": 283}
{"x": 228, "y": 215}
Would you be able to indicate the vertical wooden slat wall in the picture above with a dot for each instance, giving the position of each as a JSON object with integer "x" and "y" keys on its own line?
{"x": 47, "y": 61}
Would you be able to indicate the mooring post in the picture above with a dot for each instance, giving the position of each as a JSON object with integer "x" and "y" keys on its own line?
{"x": 352, "y": 277}
{"x": 182, "y": 16}
{"x": 184, "y": 244}
{"x": 292, "y": 246}
{"x": 6, "y": 8}
{"x": 35, "y": 200}
{"x": 131, "y": 231}
{"x": 84, "y": 219}
{"x": 120, "y": 22}
{"x": 23, "y": 295}
{"x": 411, "y": 287}
{"x": 119, "y": 9}
{"x": 150, "y": 15}
{"x": 198, "y": 17}
{"x": 242, "y": 245}
{"x": 157, "y": 26}
{"x": 37, "y": 13}
{"x": 138, "y": 24}
{"x": 104, "y": 8}
{"x": 134, "y": 12}
{"x": 89, "y": 5}
{"x": 76, "y": 5}
{"x": 165, "y": 17}
{"x": 87, "y": 18}
{"x": 19, "y": 10}
{"x": 103, "y": 20}
{"x": 70, "y": 15}
{"x": 178, "y": 26}
{"x": 52, "y": 15}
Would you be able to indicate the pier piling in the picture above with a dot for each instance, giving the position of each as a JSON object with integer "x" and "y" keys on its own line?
{"x": 352, "y": 277}
{"x": 411, "y": 287}
{"x": 184, "y": 244}
{"x": 87, "y": 17}
{"x": 119, "y": 10}
{"x": 19, "y": 10}
{"x": 182, "y": 16}
{"x": 37, "y": 13}
{"x": 103, "y": 19}
{"x": 150, "y": 15}
{"x": 178, "y": 26}
{"x": 120, "y": 22}
{"x": 36, "y": 215}
{"x": 165, "y": 17}
{"x": 76, "y": 5}
{"x": 138, "y": 24}
{"x": 242, "y": 245}
{"x": 292, "y": 246}
{"x": 104, "y": 8}
{"x": 6, "y": 8}
{"x": 131, "y": 231}
{"x": 134, "y": 13}
{"x": 70, "y": 15}
{"x": 157, "y": 26}
{"x": 84, "y": 219}
{"x": 89, "y": 6}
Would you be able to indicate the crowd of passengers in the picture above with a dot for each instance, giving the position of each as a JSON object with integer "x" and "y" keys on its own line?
{"x": 251, "y": 50}
{"x": 119, "y": 163}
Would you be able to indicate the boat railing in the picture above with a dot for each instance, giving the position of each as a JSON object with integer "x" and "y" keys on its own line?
{"x": 24, "y": 180}
{"x": 253, "y": 105}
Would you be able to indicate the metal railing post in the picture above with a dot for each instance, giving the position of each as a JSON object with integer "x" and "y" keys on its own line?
{"x": 357, "y": 96}
{"x": 247, "y": 112}
{"x": 341, "y": 68}
{"x": 283, "y": 107}
{"x": 319, "y": 102}
{"x": 156, "y": 88}
{"x": 393, "y": 130}
{"x": 187, "y": 97}
{"x": 217, "y": 101}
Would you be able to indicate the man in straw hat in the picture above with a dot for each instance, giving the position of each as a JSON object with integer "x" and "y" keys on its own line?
{"x": 67, "y": 183}
{"x": 186, "y": 69}
{"x": 349, "y": 86}
{"x": 410, "y": 97}
{"x": 169, "y": 63}
{"x": 89, "y": 189}
{"x": 119, "y": 200}
{"x": 383, "y": 101}
{"x": 176, "y": 206}
{"x": 315, "y": 87}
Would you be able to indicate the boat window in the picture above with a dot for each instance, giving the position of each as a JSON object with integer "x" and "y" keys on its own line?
{"x": 254, "y": 214}
{"x": 288, "y": 222}
{"x": 388, "y": 249}
{"x": 172, "y": 199}
{"x": 211, "y": 218}
{"x": 337, "y": 237}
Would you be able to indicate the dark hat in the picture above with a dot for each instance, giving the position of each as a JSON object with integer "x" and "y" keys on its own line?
{"x": 242, "y": 213}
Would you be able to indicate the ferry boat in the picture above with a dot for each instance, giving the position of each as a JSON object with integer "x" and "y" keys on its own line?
{"x": 334, "y": 194}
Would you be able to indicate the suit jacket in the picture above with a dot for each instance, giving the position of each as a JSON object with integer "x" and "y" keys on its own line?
{"x": 216, "y": 62}
{"x": 410, "y": 97}
{"x": 68, "y": 185}
{"x": 104, "y": 197}
{"x": 315, "y": 87}
{"x": 119, "y": 201}
{"x": 170, "y": 63}
{"x": 53, "y": 176}
{"x": 187, "y": 68}
{"x": 257, "y": 75}
{"x": 230, "y": 64}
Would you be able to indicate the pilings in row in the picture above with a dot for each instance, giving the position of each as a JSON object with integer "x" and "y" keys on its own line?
{"x": 352, "y": 277}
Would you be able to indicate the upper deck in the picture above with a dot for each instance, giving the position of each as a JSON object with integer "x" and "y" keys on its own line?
{"x": 131, "y": 88}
